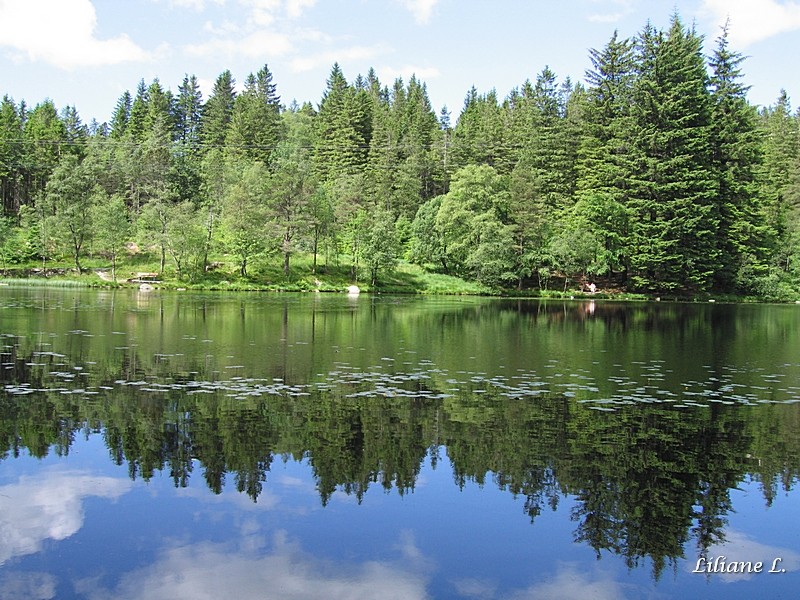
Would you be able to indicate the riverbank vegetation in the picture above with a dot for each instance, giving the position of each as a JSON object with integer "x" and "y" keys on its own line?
{"x": 657, "y": 176}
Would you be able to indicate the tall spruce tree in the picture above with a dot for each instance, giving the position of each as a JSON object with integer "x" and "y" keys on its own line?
{"x": 217, "y": 111}
{"x": 43, "y": 137}
{"x": 741, "y": 231}
{"x": 604, "y": 164}
{"x": 255, "y": 127}
{"x": 11, "y": 152}
{"x": 343, "y": 128}
{"x": 674, "y": 219}
{"x": 121, "y": 115}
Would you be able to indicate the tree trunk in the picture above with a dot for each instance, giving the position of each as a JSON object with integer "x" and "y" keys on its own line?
{"x": 78, "y": 259}
{"x": 316, "y": 245}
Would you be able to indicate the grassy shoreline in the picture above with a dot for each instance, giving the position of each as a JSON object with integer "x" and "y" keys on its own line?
{"x": 407, "y": 279}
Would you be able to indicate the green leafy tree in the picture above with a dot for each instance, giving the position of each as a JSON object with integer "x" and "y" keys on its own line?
{"x": 574, "y": 250}
{"x": 477, "y": 196}
{"x": 244, "y": 217}
{"x": 185, "y": 239}
{"x": 111, "y": 225}
{"x": 427, "y": 243}
{"x": 69, "y": 200}
{"x": 380, "y": 246}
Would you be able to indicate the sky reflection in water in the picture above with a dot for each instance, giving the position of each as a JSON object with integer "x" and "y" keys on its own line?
{"x": 395, "y": 448}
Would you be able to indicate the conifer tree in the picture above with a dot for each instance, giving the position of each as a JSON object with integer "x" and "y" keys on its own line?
{"x": 741, "y": 232}
{"x": 605, "y": 157}
{"x": 186, "y": 173}
{"x": 11, "y": 154}
{"x": 255, "y": 127}
{"x": 43, "y": 134}
{"x": 341, "y": 143}
{"x": 121, "y": 115}
{"x": 672, "y": 243}
{"x": 217, "y": 111}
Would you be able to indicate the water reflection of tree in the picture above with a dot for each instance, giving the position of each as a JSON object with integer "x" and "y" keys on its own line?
{"x": 644, "y": 476}
{"x": 646, "y": 480}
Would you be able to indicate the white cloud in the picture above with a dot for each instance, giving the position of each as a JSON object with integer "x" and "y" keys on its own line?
{"x": 262, "y": 32}
{"x": 260, "y": 43}
{"x": 308, "y": 63}
{"x": 619, "y": 10}
{"x": 606, "y": 18}
{"x": 62, "y": 33}
{"x": 21, "y": 585}
{"x": 295, "y": 8}
{"x": 570, "y": 582}
{"x": 198, "y": 5}
{"x": 389, "y": 74}
{"x": 421, "y": 9}
{"x": 265, "y": 12}
{"x": 738, "y": 547}
{"x": 48, "y": 506}
{"x": 752, "y": 21}
{"x": 209, "y": 571}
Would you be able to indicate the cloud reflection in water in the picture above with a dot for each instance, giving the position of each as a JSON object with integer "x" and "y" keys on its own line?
{"x": 209, "y": 570}
{"x": 48, "y": 506}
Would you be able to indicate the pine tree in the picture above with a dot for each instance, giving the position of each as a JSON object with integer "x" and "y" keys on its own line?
{"x": 186, "y": 174}
{"x": 736, "y": 147}
{"x": 11, "y": 155}
{"x": 217, "y": 111}
{"x": 479, "y": 137}
{"x": 343, "y": 131}
{"x": 605, "y": 156}
{"x": 76, "y": 134}
{"x": 255, "y": 127}
{"x": 121, "y": 115}
{"x": 674, "y": 221}
{"x": 136, "y": 127}
{"x": 188, "y": 109}
{"x": 779, "y": 183}
{"x": 43, "y": 137}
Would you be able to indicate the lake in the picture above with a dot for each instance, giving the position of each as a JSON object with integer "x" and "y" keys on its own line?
{"x": 188, "y": 445}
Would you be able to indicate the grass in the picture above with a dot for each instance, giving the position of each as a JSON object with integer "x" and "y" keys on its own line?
{"x": 266, "y": 274}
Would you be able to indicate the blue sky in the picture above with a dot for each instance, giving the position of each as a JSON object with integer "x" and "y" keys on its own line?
{"x": 87, "y": 52}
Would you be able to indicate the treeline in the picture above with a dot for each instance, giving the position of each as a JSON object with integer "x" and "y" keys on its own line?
{"x": 658, "y": 174}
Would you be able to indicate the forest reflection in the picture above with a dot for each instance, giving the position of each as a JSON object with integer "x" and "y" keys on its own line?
{"x": 647, "y": 479}
{"x": 645, "y": 418}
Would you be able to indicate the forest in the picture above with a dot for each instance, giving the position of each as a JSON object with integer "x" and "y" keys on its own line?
{"x": 657, "y": 175}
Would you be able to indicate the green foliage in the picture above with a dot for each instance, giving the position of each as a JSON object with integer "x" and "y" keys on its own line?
{"x": 379, "y": 249}
{"x": 69, "y": 200}
{"x": 658, "y": 176}
{"x": 244, "y": 215}
{"x": 672, "y": 242}
{"x": 112, "y": 226}
{"x": 185, "y": 239}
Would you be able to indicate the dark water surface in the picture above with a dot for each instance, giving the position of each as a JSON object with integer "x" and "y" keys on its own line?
{"x": 180, "y": 445}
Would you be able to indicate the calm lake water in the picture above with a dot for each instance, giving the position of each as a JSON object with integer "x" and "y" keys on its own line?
{"x": 191, "y": 446}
